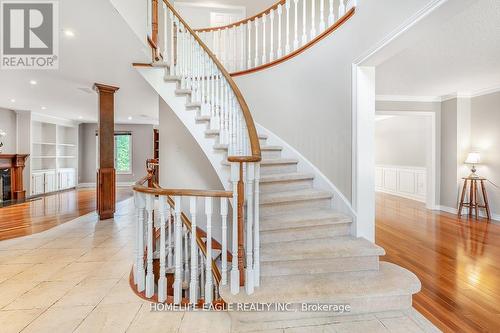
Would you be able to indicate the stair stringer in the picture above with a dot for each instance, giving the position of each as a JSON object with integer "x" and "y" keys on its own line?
{"x": 321, "y": 182}
{"x": 155, "y": 77}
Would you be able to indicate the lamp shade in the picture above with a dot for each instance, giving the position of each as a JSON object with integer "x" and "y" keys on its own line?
{"x": 473, "y": 158}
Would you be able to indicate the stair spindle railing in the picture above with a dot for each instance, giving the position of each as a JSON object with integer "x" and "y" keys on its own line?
{"x": 299, "y": 29}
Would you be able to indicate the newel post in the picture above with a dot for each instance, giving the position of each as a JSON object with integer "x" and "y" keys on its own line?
{"x": 106, "y": 177}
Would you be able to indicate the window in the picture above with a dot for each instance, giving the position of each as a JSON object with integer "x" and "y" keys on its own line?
{"x": 123, "y": 152}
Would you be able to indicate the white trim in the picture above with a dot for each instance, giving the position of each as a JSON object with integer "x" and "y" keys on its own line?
{"x": 421, "y": 14}
{"x": 403, "y": 98}
{"x": 396, "y": 187}
{"x": 465, "y": 211}
{"x": 119, "y": 184}
{"x": 210, "y": 5}
{"x": 53, "y": 120}
{"x": 486, "y": 91}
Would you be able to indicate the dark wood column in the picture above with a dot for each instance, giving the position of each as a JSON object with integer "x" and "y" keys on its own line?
{"x": 106, "y": 177}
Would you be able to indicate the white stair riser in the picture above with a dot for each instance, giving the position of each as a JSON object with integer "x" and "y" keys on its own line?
{"x": 270, "y": 154}
{"x": 272, "y": 169}
{"x": 276, "y": 208}
{"x": 288, "y": 185}
{"x": 258, "y": 321}
{"x": 314, "y": 232}
{"x": 312, "y": 266}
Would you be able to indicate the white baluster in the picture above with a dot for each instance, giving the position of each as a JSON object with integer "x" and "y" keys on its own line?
{"x": 242, "y": 46}
{"x": 304, "y": 22}
{"x": 202, "y": 275}
{"x": 162, "y": 281}
{"x": 186, "y": 271}
{"x": 249, "y": 51}
{"x": 264, "y": 19}
{"x": 165, "y": 32}
{"x": 296, "y": 26}
{"x": 249, "y": 276}
{"x": 178, "y": 252}
{"x": 235, "y": 49}
{"x": 139, "y": 276}
{"x": 341, "y": 8}
{"x": 215, "y": 49}
{"x": 235, "y": 274}
{"x": 256, "y": 247}
{"x": 172, "y": 50}
{"x": 150, "y": 284}
{"x": 223, "y": 213}
{"x": 170, "y": 225}
{"x": 279, "y": 52}
{"x": 225, "y": 47}
{"x": 256, "y": 42}
{"x": 322, "y": 25}
{"x": 331, "y": 15}
{"x": 313, "y": 19}
{"x": 271, "y": 43}
{"x": 208, "y": 282}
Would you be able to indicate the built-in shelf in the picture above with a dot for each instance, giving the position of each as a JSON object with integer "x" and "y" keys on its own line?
{"x": 43, "y": 156}
{"x": 66, "y": 144}
{"x": 66, "y": 156}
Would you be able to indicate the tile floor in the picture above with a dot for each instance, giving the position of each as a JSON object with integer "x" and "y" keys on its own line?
{"x": 74, "y": 278}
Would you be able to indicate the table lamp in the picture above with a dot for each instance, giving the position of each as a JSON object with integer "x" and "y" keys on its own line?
{"x": 473, "y": 159}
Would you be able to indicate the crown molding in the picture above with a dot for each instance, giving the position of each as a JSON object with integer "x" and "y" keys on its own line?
{"x": 405, "y": 98}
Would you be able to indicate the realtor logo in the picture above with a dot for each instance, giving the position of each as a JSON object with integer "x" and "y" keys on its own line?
{"x": 29, "y": 36}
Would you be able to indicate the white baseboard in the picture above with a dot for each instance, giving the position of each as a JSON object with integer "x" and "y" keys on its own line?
{"x": 90, "y": 185}
{"x": 402, "y": 195}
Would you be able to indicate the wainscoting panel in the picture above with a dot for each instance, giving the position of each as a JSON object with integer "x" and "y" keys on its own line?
{"x": 404, "y": 181}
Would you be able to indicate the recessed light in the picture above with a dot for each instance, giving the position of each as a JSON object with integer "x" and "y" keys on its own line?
{"x": 80, "y": 117}
{"x": 129, "y": 118}
{"x": 12, "y": 100}
{"x": 44, "y": 108}
{"x": 69, "y": 33}
{"x": 33, "y": 82}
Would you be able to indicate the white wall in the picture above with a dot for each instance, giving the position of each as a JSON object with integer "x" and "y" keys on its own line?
{"x": 142, "y": 149}
{"x": 402, "y": 141}
{"x": 485, "y": 130}
{"x": 307, "y": 99}
{"x": 198, "y": 16}
{"x": 8, "y": 125}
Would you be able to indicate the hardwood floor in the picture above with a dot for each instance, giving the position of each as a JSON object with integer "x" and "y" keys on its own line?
{"x": 42, "y": 214}
{"x": 458, "y": 262}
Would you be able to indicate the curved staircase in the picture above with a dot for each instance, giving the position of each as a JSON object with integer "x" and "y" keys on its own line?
{"x": 290, "y": 245}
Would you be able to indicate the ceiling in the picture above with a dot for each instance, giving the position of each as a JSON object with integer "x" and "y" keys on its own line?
{"x": 102, "y": 50}
{"x": 459, "y": 55}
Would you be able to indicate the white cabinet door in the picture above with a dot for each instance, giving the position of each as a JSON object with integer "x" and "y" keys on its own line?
{"x": 50, "y": 181}
{"x": 37, "y": 183}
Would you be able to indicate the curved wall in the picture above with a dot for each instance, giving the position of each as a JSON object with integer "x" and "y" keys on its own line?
{"x": 307, "y": 100}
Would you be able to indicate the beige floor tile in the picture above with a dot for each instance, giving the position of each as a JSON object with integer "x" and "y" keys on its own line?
{"x": 87, "y": 292}
{"x": 40, "y": 256}
{"x": 58, "y": 320}
{"x": 11, "y": 290}
{"x": 14, "y": 321}
{"x": 40, "y": 272}
{"x": 401, "y": 324}
{"x": 201, "y": 322}
{"x": 98, "y": 254}
{"x": 155, "y": 322}
{"x": 372, "y": 326}
{"x": 9, "y": 271}
{"x": 76, "y": 271}
{"x": 43, "y": 295}
{"x": 73, "y": 243}
{"x": 111, "y": 318}
{"x": 121, "y": 293}
{"x": 28, "y": 243}
{"x": 312, "y": 329}
{"x": 111, "y": 270}
{"x": 10, "y": 256}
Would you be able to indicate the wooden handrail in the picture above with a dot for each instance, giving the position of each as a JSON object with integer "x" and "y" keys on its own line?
{"x": 244, "y": 21}
{"x": 252, "y": 131}
{"x": 301, "y": 49}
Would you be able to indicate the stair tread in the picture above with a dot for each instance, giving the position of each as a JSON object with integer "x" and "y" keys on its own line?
{"x": 296, "y": 195}
{"x": 285, "y": 177}
{"x": 276, "y": 161}
{"x": 324, "y": 248}
{"x": 389, "y": 280}
{"x": 302, "y": 219}
{"x": 265, "y": 148}
{"x": 216, "y": 132}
